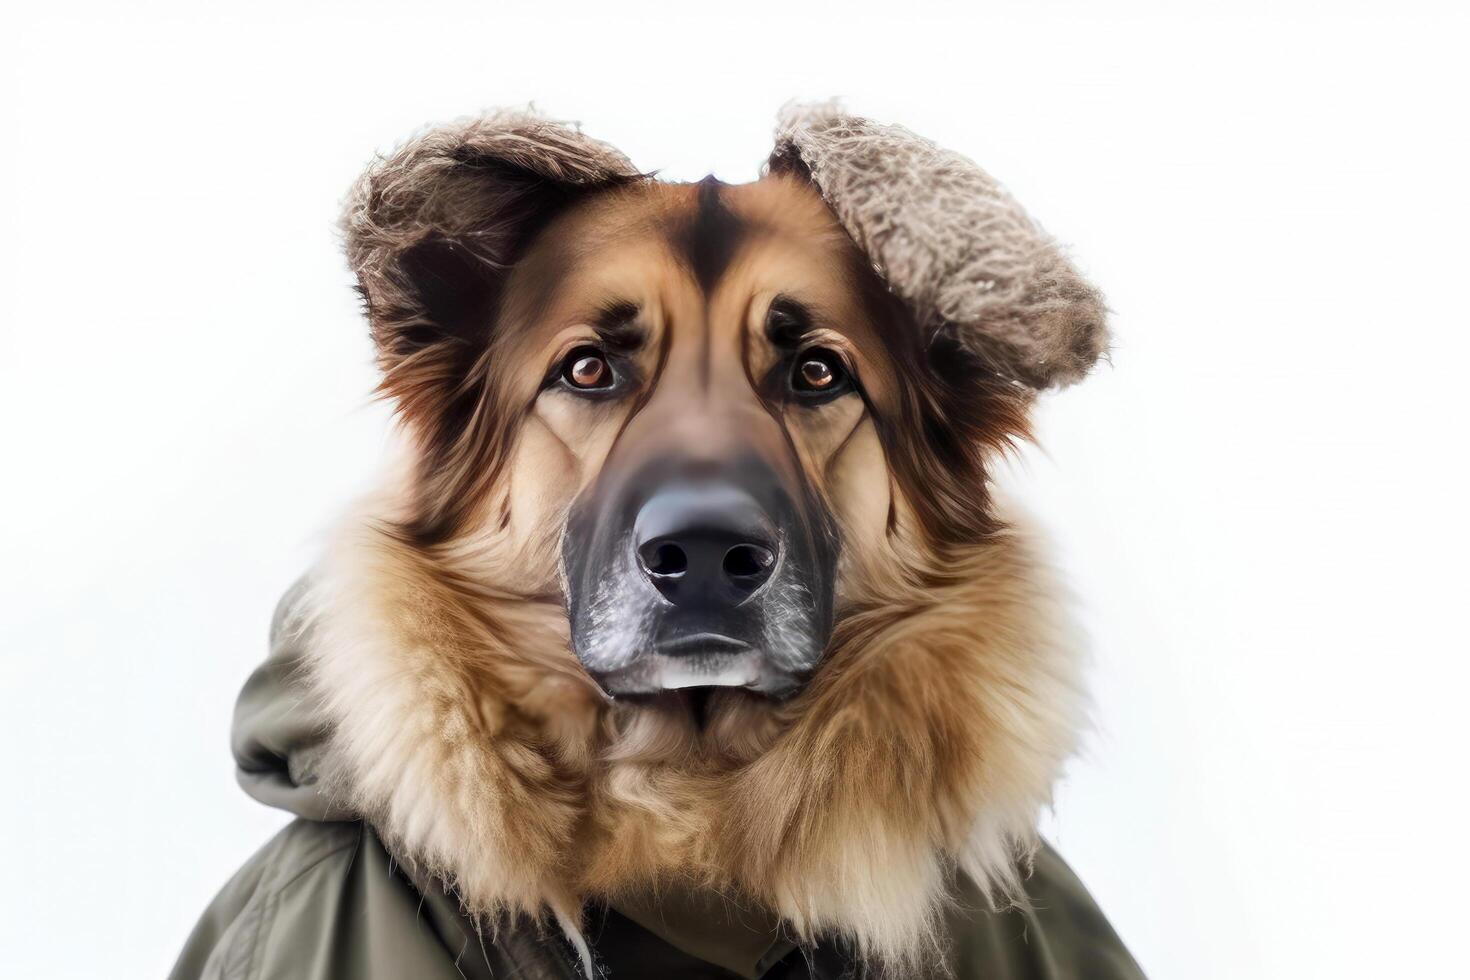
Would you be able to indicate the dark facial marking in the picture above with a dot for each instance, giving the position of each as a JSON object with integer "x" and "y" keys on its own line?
{"x": 787, "y": 323}
{"x": 709, "y": 238}
{"x": 950, "y": 413}
{"x": 646, "y": 392}
{"x": 618, "y": 328}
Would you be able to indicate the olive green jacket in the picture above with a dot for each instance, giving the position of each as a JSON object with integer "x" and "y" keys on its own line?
{"x": 326, "y": 900}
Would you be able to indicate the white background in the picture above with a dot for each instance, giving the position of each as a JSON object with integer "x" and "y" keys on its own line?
{"x": 1261, "y": 501}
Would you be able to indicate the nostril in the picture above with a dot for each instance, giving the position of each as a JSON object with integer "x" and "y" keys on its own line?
{"x": 748, "y": 561}
{"x": 666, "y": 559}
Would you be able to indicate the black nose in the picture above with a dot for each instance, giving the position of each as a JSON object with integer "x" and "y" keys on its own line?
{"x": 705, "y": 544}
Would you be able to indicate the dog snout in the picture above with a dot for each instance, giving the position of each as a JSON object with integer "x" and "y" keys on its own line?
{"x": 706, "y": 545}
{"x": 690, "y": 571}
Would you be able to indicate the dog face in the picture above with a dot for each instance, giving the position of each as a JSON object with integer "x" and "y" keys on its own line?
{"x": 701, "y": 423}
{"x": 694, "y": 413}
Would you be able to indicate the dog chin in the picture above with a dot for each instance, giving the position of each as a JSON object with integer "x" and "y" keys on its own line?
{"x": 717, "y": 665}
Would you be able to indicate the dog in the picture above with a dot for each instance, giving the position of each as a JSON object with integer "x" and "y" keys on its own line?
{"x": 689, "y": 580}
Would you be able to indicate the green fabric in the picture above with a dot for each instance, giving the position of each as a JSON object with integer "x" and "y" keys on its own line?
{"x": 705, "y": 925}
{"x": 325, "y": 899}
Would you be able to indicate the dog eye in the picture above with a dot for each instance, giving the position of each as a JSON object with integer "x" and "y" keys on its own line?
{"x": 819, "y": 373}
{"x": 587, "y": 369}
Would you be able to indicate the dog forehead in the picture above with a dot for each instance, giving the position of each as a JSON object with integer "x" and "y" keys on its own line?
{"x": 677, "y": 245}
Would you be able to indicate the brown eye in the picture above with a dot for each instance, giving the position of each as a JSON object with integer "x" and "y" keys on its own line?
{"x": 587, "y": 370}
{"x": 819, "y": 372}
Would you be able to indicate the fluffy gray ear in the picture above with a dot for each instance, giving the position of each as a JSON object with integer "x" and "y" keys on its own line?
{"x": 432, "y": 229}
{"x": 950, "y": 243}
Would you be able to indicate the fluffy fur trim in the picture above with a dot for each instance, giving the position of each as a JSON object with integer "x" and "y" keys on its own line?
{"x": 431, "y": 229}
{"x": 466, "y": 732}
{"x": 951, "y": 243}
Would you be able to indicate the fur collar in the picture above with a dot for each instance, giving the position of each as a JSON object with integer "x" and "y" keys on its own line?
{"x": 465, "y": 731}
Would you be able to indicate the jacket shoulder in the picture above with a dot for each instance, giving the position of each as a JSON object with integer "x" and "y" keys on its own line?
{"x": 223, "y": 942}
{"x": 1061, "y": 933}
{"x": 324, "y": 901}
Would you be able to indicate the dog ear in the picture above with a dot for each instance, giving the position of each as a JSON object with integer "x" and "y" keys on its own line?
{"x": 971, "y": 267}
{"x": 432, "y": 230}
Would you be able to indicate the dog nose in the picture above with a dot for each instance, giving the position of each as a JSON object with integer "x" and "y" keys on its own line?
{"x": 705, "y": 545}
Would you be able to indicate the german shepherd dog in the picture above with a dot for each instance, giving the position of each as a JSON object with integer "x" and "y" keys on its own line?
{"x": 690, "y": 568}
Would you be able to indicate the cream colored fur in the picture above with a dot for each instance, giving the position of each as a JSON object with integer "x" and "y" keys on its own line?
{"x": 466, "y": 731}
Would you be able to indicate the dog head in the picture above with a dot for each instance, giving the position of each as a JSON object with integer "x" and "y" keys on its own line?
{"x": 707, "y": 417}
{"x": 694, "y": 574}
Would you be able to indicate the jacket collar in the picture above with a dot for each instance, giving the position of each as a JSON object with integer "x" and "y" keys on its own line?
{"x": 747, "y": 941}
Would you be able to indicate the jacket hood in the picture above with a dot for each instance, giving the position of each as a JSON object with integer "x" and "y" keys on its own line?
{"x": 280, "y": 732}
